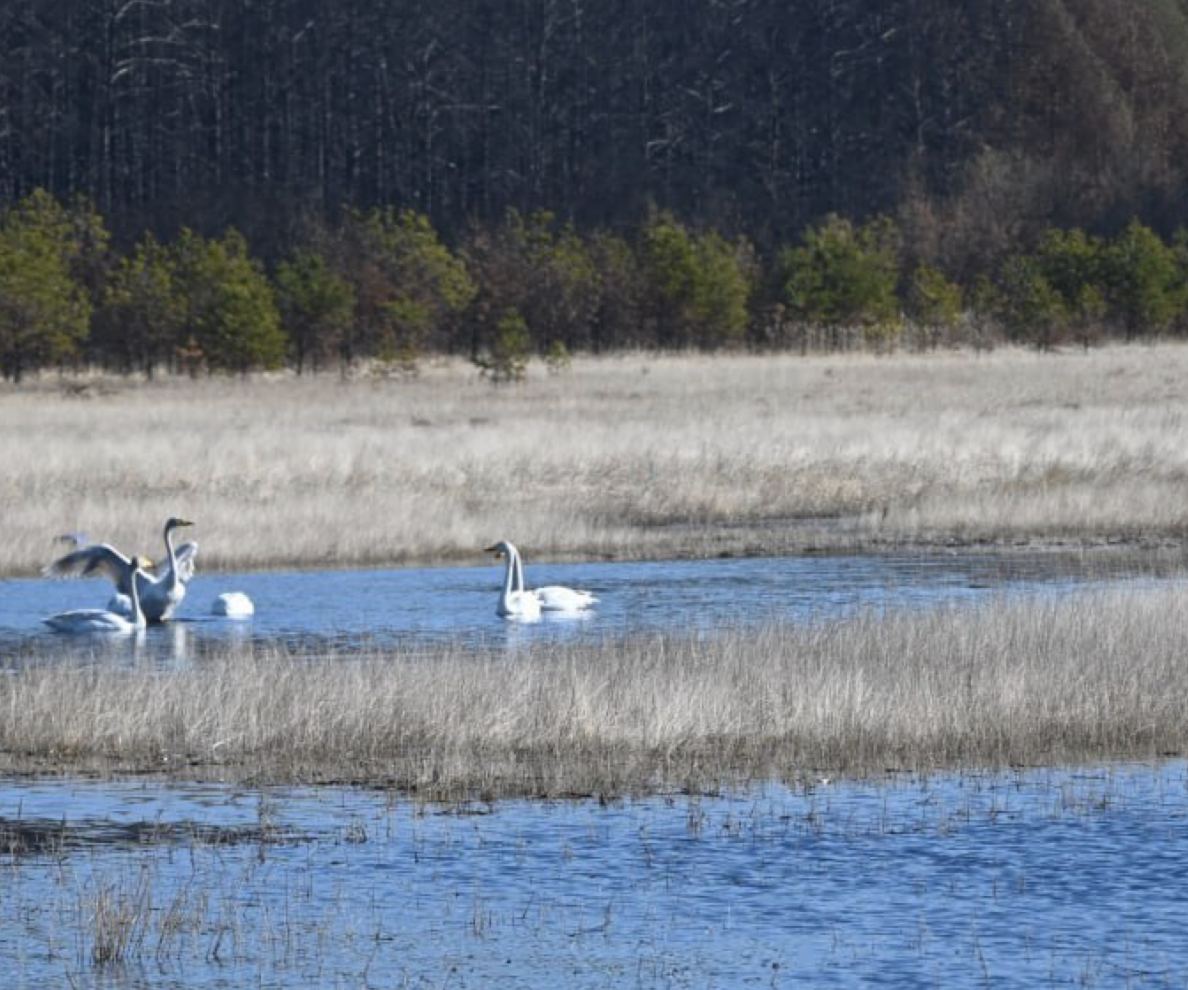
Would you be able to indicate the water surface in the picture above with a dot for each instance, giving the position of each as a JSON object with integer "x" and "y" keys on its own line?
{"x": 311, "y": 610}
{"x": 1016, "y": 879}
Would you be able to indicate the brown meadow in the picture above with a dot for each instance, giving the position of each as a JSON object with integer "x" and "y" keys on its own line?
{"x": 626, "y": 456}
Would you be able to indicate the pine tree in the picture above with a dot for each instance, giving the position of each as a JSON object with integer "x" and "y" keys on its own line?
{"x": 44, "y": 312}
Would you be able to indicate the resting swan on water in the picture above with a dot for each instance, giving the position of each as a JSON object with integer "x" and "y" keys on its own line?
{"x": 97, "y": 620}
{"x": 233, "y": 605}
{"x": 517, "y": 602}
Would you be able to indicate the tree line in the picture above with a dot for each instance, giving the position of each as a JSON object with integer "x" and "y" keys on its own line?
{"x": 974, "y": 123}
{"x": 383, "y": 286}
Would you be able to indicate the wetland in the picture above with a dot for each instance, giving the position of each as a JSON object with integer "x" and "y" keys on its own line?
{"x": 887, "y": 682}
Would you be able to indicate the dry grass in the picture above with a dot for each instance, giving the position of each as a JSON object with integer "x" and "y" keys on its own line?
{"x": 624, "y": 456}
{"x": 1097, "y": 675}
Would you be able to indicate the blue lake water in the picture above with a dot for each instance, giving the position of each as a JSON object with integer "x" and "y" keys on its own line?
{"x": 1041, "y": 877}
{"x": 355, "y": 609}
{"x": 1014, "y": 879}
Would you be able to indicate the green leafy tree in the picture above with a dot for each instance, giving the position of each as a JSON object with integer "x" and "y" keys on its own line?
{"x": 698, "y": 284}
{"x": 1144, "y": 281}
{"x": 984, "y": 312}
{"x": 934, "y": 303}
{"x": 91, "y": 258}
{"x": 317, "y": 306}
{"x": 1089, "y": 312}
{"x": 845, "y": 276}
{"x": 1074, "y": 264}
{"x": 1032, "y": 309}
{"x": 565, "y": 290}
{"x": 230, "y": 311}
{"x": 142, "y": 312}
{"x": 506, "y": 360}
{"x": 1070, "y": 260}
{"x": 619, "y": 315}
{"x": 408, "y": 285}
{"x": 540, "y": 268}
{"x": 557, "y": 358}
{"x": 44, "y": 311}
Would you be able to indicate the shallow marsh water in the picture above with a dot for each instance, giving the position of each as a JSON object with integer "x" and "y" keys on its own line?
{"x": 1025, "y": 878}
{"x": 1042, "y": 877}
{"x": 349, "y": 610}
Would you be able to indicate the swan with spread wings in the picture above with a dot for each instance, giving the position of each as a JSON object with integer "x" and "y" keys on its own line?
{"x": 160, "y": 591}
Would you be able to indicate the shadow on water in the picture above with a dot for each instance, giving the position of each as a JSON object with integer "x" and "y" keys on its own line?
{"x": 307, "y": 612}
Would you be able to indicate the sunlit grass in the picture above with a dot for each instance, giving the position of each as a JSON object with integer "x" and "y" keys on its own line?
{"x": 626, "y": 456}
{"x": 1097, "y": 675}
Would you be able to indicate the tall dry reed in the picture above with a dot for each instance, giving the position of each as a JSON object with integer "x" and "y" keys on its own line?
{"x": 625, "y": 456}
{"x": 1096, "y": 675}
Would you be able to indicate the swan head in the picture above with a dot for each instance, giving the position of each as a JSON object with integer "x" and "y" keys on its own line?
{"x": 501, "y": 549}
{"x": 142, "y": 563}
{"x": 173, "y": 522}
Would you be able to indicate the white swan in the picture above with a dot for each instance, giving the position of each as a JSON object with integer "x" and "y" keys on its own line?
{"x": 551, "y": 597}
{"x": 234, "y": 605}
{"x": 514, "y": 603}
{"x": 97, "y": 620}
{"x": 160, "y": 592}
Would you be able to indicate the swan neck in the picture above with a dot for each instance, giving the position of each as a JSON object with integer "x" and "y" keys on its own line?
{"x": 137, "y": 614}
{"x": 172, "y": 555}
{"x": 508, "y": 575}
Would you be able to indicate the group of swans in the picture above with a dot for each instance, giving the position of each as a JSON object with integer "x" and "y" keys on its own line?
{"x": 144, "y": 593}
{"x": 147, "y": 594}
{"x": 516, "y": 602}
{"x": 160, "y": 591}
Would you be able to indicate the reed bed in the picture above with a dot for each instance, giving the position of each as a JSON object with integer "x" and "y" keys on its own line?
{"x": 1096, "y": 675}
{"x": 627, "y": 456}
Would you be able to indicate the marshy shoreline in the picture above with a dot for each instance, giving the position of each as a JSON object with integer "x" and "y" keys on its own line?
{"x": 1091, "y": 675}
{"x": 636, "y": 456}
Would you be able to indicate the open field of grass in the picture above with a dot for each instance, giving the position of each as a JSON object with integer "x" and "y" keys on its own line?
{"x": 628, "y": 456}
{"x": 1098, "y": 674}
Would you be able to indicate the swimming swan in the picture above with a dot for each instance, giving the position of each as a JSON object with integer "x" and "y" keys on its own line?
{"x": 160, "y": 592}
{"x": 234, "y": 605}
{"x": 97, "y": 620}
{"x": 551, "y": 597}
{"x": 514, "y": 602}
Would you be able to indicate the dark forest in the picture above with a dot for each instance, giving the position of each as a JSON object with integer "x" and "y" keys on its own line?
{"x": 751, "y": 116}
{"x": 1018, "y": 159}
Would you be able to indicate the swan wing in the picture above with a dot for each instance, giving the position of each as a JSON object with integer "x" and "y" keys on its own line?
{"x": 92, "y": 560}
{"x": 557, "y": 598}
{"x": 185, "y": 555}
